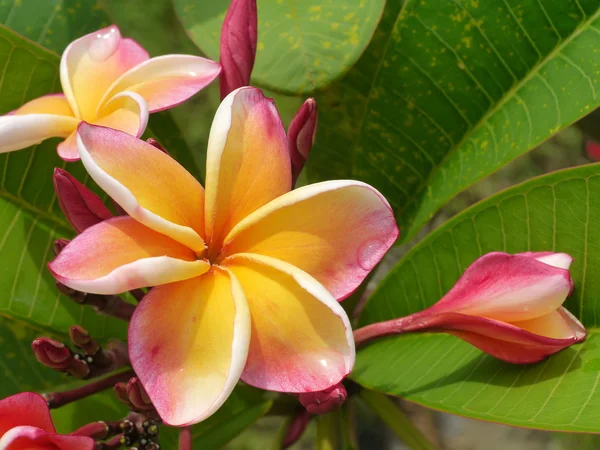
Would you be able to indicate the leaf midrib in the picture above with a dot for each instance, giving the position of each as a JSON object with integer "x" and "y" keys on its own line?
{"x": 37, "y": 211}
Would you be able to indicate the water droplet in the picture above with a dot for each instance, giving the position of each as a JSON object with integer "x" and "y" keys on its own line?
{"x": 369, "y": 253}
{"x": 105, "y": 45}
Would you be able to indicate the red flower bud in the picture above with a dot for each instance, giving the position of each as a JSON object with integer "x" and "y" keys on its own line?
{"x": 154, "y": 143}
{"x": 81, "y": 207}
{"x": 59, "y": 244}
{"x": 301, "y": 136}
{"x": 138, "y": 396}
{"x": 324, "y": 401}
{"x": 52, "y": 353}
{"x": 296, "y": 428}
{"x": 238, "y": 45}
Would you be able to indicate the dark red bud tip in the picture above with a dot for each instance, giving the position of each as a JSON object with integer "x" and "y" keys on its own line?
{"x": 81, "y": 207}
{"x": 296, "y": 428}
{"x": 121, "y": 393}
{"x": 59, "y": 244}
{"x": 52, "y": 353}
{"x": 324, "y": 401}
{"x": 138, "y": 396}
{"x": 238, "y": 45}
{"x": 154, "y": 143}
{"x": 301, "y": 135}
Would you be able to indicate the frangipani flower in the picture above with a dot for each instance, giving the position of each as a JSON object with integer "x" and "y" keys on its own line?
{"x": 107, "y": 80}
{"x": 25, "y": 424}
{"x": 509, "y": 306}
{"x": 247, "y": 273}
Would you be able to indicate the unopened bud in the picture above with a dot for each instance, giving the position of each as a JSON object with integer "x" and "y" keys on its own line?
{"x": 138, "y": 396}
{"x": 154, "y": 143}
{"x": 301, "y": 136}
{"x": 52, "y": 353}
{"x": 238, "y": 45}
{"x": 296, "y": 428}
{"x": 58, "y": 246}
{"x": 81, "y": 338}
{"x": 324, "y": 401}
{"x": 81, "y": 207}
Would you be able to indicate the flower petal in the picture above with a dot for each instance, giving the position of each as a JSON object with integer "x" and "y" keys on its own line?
{"x": 247, "y": 163}
{"x": 148, "y": 184}
{"x": 21, "y": 131}
{"x": 301, "y": 338}
{"x": 502, "y": 340}
{"x": 166, "y": 81}
{"x": 188, "y": 343}
{"x": 560, "y": 260}
{"x": 121, "y": 254}
{"x": 26, "y": 408}
{"x": 67, "y": 149}
{"x": 336, "y": 231}
{"x": 506, "y": 287}
{"x": 559, "y": 324}
{"x": 126, "y": 111}
{"x": 55, "y": 104}
{"x": 92, "y": 63}
{"x": 32, "y": 438}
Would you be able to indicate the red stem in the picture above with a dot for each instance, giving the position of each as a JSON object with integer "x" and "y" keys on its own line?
{"x": 58, "y": 399}
{"x": 185, "y": 439}
{"x": 390, "y": 327}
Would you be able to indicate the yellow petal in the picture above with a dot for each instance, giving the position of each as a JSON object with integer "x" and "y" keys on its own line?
{"x": 336, "y": 231}
{"x": 150, "y": 185}
{"x": 301, "y": 338}
{"x": 188, "y": 343}
{"x": 247, "y": 165}
{"x": 55, "y": 104}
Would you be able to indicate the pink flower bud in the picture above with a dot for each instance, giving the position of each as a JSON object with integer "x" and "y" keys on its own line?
{"x": 509, "y": 306}
{"x": 52, "y": 353}
{"x": 81, "y": 207}
{"x": 59, "y": 244}
{"x": 296, "y": 428}
{"x": 238, "y": 45}
{"x": 301, "y": 136}
{"x": 592, "y": 150}
{"x": 25, "y": 423}
{"x": 324, "y": 401}
{"x": 138, "y": 396}
{"x": 154, "y": 143}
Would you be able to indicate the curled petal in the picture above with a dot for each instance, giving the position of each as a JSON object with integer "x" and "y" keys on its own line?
{"x": 560, "y": 260}
{"x": 81, "y": 206}
{"x": 188, "y": 343}
{"x": 238, "y": 45}
{"x": 126, "y": 111}
{"x": 247, "y": 162}
{"x": 505, "y": 341}
{"x": 148, "y": 184}
{"x": 559, "y": 324}
{"x": 21, "y": 131}
{"x": 92, "y": 63}
{"x": 301, "y": 338}
{"x": 26, "y": 408}
{"x": 166, "y": 81}
{"x": 119, "y": 255}
{"x": 336, "y": 231}
{"x": 509, "y": 288}
{"x": 32, "y": 438}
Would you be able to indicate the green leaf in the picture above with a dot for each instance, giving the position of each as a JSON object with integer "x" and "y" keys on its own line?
{"x": 302, "y": 46}
{"x": 52, "y": 23}
{"x": 244, "y": 407}
{"x": 451, "y": 90}
{"x": 557, "y": 212}
{"x": 30, "y": 218}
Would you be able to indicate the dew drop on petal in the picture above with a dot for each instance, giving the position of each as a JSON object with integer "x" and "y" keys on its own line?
{"x": 105, "y": 45}
{"x": 369, "y": 253}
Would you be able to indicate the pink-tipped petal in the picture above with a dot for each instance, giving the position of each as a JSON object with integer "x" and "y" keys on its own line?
{"x": 239, "y": 34}
{"x": 148, "y": 184}
{"x": 507, "y": 287}
{"x": 32, "y": 438}
{"x": 188, "y": 343}
{"x": 560, "y": 260}
{"x": 166, "y": 81}
{"x": 80, "y": 205}
{"x": 126, "y": 111}
{"x": 337, "y": 231}
{"x": 92, "y": 63}
{"x": 301, "y": 338}
{"x": 121, "y": 254}
{"x": 559, "y": 324}
{"x": 247, "y": 162}
{"x": 26, "y": 408}
{"x": 502, "y": 340}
